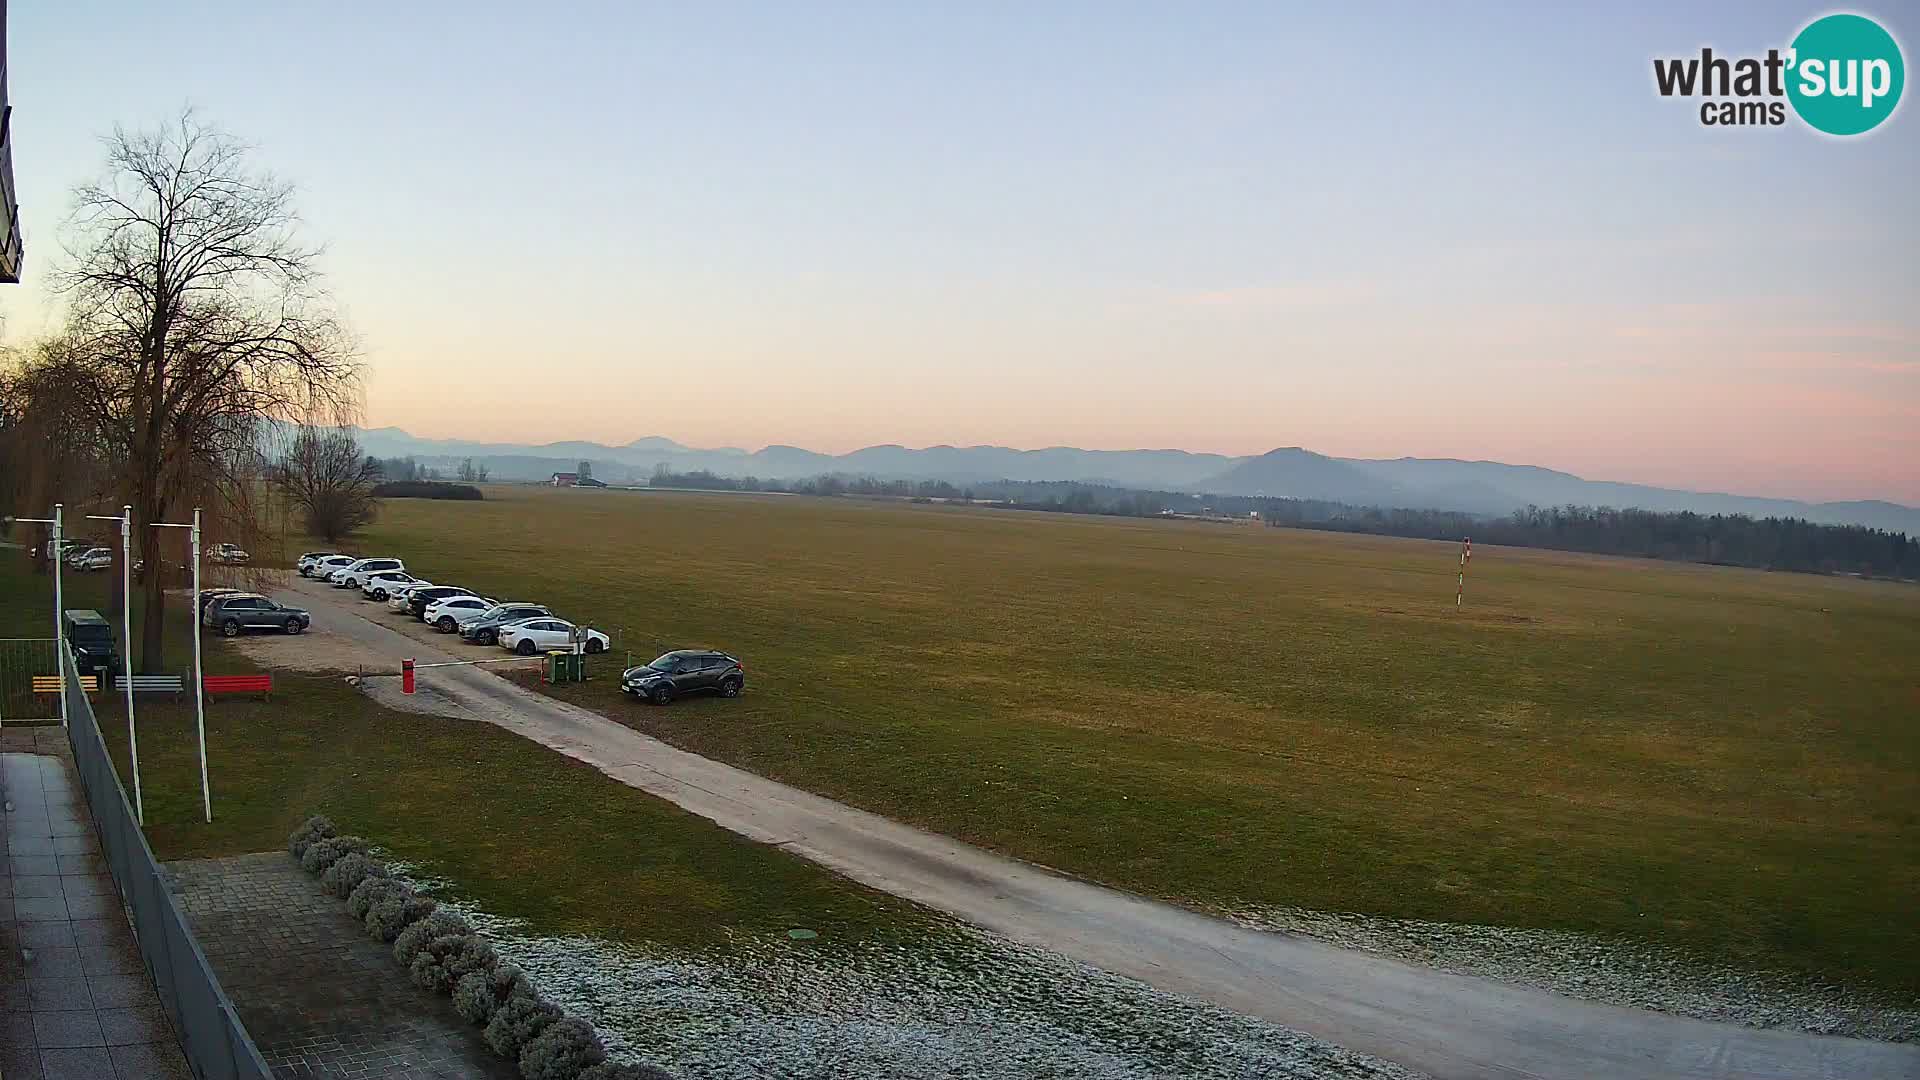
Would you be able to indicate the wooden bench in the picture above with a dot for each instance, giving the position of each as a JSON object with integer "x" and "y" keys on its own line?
{"x": 238, "y": 684}
{"x": 50, "y": 684}
{"x": 152, "y": 684}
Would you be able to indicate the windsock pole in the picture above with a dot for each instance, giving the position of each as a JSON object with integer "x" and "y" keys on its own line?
{"x": 1466, "y": 553}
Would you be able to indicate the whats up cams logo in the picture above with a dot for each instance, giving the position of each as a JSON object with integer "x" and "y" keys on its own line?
{"x": 1842, "y": 75}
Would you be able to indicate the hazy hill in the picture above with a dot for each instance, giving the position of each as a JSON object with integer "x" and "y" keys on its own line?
{"x": 1482, "y": 487}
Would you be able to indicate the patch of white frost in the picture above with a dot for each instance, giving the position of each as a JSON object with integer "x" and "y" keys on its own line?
{"x": 1602, "y": 969}
{"x": 956, "y": 1002}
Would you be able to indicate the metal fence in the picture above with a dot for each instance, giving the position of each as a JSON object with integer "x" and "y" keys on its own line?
{"x": 216, "y": 1045}
{"x": 20, "y": 660}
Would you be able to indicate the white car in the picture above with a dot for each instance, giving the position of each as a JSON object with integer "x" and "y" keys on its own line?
{"x": 445, "y": 615}
{"x": 545, "y": 633}
{"x": 324, "y": 566}
{"x": 382, "y": 583}
{"x": 228, "y": 553}
{"x": 307, "y": 558}
{"x": 397, "y": 598}
{"x": 355, "y": 576}
{"x": 93, "y": 559}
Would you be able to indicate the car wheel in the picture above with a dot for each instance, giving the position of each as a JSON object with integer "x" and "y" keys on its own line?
{"x": 230, "y": 628}
{"x": 445, "y": 624}
{"x": 730, "y": 688}
{"x": 486, "y": 637}
{"x": 525, "y": 648}
{"x": 294, "y": 626}
{"x": 379, "y": 594}
{"x": 594, "y": 646}
{"x": 662, "y": 695}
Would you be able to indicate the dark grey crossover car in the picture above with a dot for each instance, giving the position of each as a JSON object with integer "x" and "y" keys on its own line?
{"x": 685, "y": 671}
{"x": 235, "y": 612}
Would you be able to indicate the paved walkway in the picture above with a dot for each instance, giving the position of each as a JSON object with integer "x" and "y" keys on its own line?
{"x": 75, "y": 1001}
{"x": 1451, "y": 1027}
{"x": 319, "y": 997}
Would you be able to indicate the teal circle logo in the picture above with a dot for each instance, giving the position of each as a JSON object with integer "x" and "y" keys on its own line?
{"x": 1845, "y": 74}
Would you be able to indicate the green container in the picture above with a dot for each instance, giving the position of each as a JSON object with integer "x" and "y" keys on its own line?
{"x": 564, "y": 667}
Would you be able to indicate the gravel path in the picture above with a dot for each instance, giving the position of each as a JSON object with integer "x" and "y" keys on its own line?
{"x": 1443, "y": 1024}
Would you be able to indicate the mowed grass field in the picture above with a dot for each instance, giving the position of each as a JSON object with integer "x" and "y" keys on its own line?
{"x": 1720, "y": 760}
{"x": 520, "y": 829}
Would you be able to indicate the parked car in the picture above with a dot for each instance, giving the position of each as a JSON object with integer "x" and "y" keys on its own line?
{"x": 208, "y": 596}
{"x": 239, "y": 611}
{"x": 445, "y": 615}
{"x": 382, "y": 583}
{"x": 75, "y": 556}
{"x": 91, "y": 639}
{"x": 308, "y": 558}
{"x": 92, "y": 559}
{"x": 323, "y": 567}
{"x": 530, "y": 636}
{"x": 397, "y": 598}
{"x": 484, "y": 628}
{"x": 685, "y": 671}
{"x": 425, "y": 596}
{"x": 356, "y": 575}
{"x": 228, "y": 553}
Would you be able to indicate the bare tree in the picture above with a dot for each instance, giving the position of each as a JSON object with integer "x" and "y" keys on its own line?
{"x": 195, "y": 321}
{"x": 330, "y": 481}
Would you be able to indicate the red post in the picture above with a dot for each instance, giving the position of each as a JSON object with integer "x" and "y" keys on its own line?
{"x": 406, "y": 676}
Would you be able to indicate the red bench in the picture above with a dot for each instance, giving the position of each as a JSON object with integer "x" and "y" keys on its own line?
{"x": 238, "y": 684}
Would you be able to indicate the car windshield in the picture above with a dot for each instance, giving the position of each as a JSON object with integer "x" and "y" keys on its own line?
{"x": 665, "y": 662}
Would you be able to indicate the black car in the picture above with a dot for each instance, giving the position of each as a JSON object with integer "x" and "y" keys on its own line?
{"x": 235, "y": 612}
{"x": 91, "y": 638}
{"x": 418, "y": 599}
{"x": 484, "y": 628}
{"x": 208, "y": 596}
{"x": 685, "y": 671}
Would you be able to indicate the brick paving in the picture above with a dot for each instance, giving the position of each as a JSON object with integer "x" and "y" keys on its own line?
{"x": 75, "y": 1001}
{"x": 319, "y": 997}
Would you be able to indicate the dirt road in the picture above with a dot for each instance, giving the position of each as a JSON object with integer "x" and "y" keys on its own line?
{"x": 1447, "y": 1026}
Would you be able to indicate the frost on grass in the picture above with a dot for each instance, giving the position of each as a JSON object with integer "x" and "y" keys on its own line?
{"x": 768, "y": 1007}
{"x": 1617, "y": 972}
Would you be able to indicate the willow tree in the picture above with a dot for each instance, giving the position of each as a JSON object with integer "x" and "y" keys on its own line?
{"x": 196, "y": 322}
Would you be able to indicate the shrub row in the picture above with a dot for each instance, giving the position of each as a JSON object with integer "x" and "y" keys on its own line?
{"x": 442, "y": 953}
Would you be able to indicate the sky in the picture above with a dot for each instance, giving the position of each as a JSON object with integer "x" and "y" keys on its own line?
{"x": 1371, "y": 230}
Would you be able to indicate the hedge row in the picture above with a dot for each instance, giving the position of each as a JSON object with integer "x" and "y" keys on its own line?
{"x": 443, "y": 954}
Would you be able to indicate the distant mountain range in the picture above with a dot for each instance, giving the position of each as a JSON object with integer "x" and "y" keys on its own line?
{"x": 1482, "y": 487}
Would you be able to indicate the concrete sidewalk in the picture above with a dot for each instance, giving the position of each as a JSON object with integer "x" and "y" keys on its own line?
{"x": 75, "y": 1000}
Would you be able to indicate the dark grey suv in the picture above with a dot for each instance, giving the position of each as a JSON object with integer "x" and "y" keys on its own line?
{"x": 235, "y": 612}
{"x": 685, "y": 671}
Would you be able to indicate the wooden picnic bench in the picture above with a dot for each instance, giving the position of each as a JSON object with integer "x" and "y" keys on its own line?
{"x": 238, "y": 684}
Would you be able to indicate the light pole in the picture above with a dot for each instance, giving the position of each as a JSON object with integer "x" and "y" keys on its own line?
{"x": 199, "y": 688}
{"x": 59, "y": 617}
{"x": 126, "y": 655}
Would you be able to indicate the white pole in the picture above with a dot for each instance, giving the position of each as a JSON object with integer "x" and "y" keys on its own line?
{"x": 199, "y": 695}
{"x": 59, "y": 615}
{"x": 126, "y": 659}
